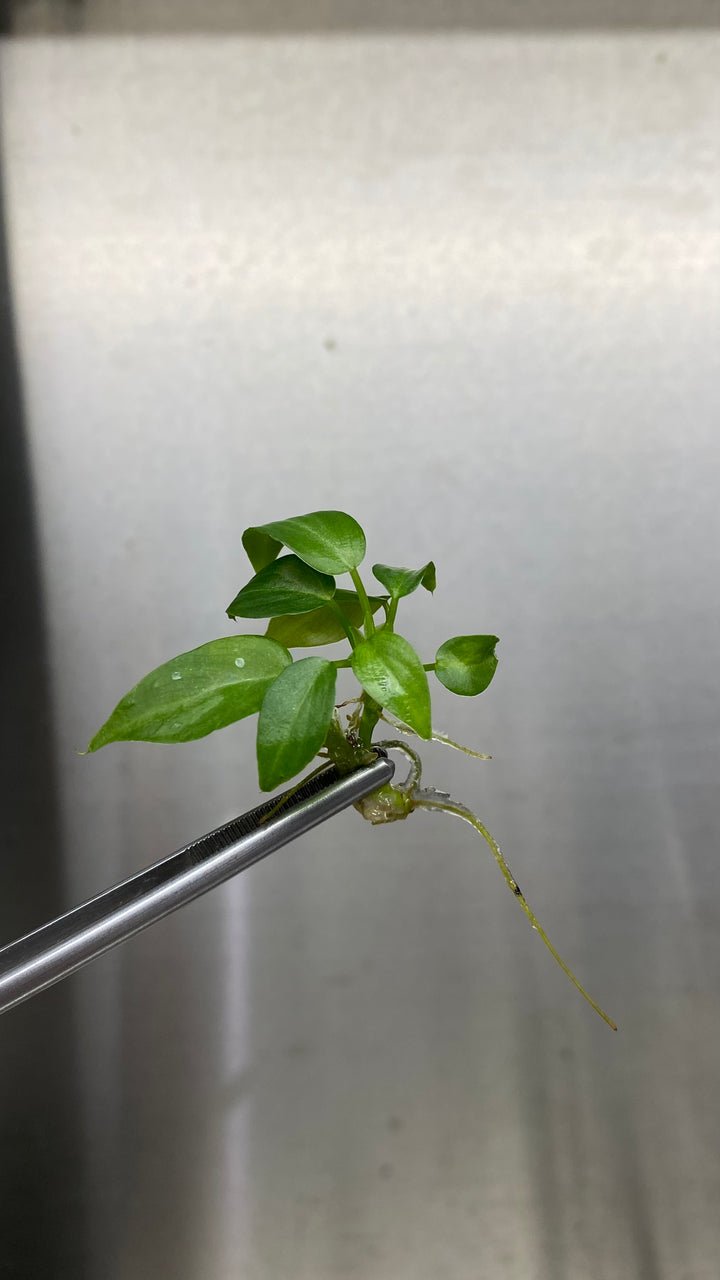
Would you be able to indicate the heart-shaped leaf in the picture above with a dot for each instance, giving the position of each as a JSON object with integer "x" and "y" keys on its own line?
{"x": 329, "y": 541}
{"x": 322, "y": 626}
{"x": 466, "y": 664}
{"x": 401, "y": 582}
{"x": 294, "y": 720}
{"x": 285, "y": 586}
{"x": 389, "y": 669}
{"x": 197, "y": 692}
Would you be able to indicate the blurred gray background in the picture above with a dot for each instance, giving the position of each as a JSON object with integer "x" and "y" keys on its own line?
{"x": 454, "y": 270}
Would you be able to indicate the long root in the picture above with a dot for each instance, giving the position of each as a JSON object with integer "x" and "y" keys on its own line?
{"x": 431, "y": 800}
{"x": 395, "y": 802}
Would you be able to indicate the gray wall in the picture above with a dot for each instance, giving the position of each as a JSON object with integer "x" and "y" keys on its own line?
{"x": 464, "y": 286}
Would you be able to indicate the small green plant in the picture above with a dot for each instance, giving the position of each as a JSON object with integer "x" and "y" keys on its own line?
{"x": 298, "y": 718}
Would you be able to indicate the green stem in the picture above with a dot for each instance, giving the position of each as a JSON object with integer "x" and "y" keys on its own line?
{"x": 341, "y": 751}
{"x": 364, "y": 602}
{"x": 342, "y": 662}
{"x": 460, "y": 811}
{"x": 392, "y": 613}
{"x": 429, "y": 666}
{"x": 345, "y": 622}
{"x": 371, "y": 713}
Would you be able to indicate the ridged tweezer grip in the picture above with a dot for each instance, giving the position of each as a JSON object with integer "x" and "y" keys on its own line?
{"x": 58, "y": 948}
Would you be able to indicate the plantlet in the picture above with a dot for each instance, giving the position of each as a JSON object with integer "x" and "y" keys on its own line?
{"x": 298, "y": 718}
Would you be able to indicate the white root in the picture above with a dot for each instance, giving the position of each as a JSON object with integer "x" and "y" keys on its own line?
{"x": 435, "y": 736}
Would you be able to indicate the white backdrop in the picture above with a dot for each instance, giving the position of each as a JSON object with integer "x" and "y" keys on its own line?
{"x": 464, "y": 287}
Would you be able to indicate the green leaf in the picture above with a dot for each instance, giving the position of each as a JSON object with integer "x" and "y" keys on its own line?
{"x": 389, "y": 669}
{"x": 294, "y": 720}
{"x": 285, "y": 586}
{"x": 466, "y": 664}
{"x": 261, "y": 549}
{"x": 401, "y": 582}
{"x": 197, "y": 692}
{"x": 322, "y": 626}
{"x": 329, "y": 541}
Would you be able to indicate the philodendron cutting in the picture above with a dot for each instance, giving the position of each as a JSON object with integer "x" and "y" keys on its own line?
{"x": 298, "y": 718}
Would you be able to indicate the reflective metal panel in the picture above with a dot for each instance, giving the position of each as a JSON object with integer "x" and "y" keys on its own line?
{"x": 465, "y": 287}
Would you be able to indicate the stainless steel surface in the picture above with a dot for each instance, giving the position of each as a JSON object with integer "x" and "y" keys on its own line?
{"x": 62, "y": 946}
{"x": 466, "y": 288}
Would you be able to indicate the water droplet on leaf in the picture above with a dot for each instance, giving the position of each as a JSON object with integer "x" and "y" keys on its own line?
{"x": 239, "y": 662}
{"x": 176, "y": 675}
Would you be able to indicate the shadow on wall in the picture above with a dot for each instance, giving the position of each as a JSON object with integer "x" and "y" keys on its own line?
{"x": 139, "y": 17}
{"x": 41, "y": 1199}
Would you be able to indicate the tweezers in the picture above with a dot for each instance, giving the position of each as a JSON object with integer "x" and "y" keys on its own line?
{"x": 64, "y": 945}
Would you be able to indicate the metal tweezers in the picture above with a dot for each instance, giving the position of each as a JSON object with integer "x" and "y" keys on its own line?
{"x": 58, "y": 948}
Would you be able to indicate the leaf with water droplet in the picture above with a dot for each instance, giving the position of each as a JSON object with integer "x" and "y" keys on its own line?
{"x": 205, "y": 689}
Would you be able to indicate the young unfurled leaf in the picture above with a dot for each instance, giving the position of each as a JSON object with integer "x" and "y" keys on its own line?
{"x": 466, "y": 664}
{"x": 205, "y": 689}
{"x": 401, "y": 582}
{"x": 285, "y": 586}
{"x": 389, "y": 669}
{"x": 322, "y": 626}
{"x": 294, "y": 720}
{"x": 329, "y": 541}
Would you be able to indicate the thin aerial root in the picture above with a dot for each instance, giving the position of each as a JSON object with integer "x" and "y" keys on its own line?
{"x": 415, "y": 770}
{"x": 448, "y": 742}
{"x": 435, "y": 737}
{"x": 460, "y": 811}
